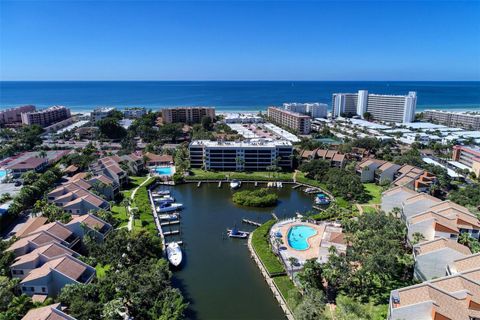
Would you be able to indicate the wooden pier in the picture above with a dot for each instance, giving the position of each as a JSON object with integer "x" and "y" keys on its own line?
{"x": 178, "y": 242}
{"x": 296, "y": 186}
{"x": 169, "y": 223}
{"x": 257, "y": 224}
{"x": 171, "y": 232}
{"x": 274, "y": 216}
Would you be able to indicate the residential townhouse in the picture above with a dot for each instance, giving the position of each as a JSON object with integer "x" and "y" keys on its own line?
{"x": 24, "y": 264}
{"x": 414, "y": 178}
{"x": 31, "y": 164}
{"x": 105, "y": 186}
{"x": 75, "y": 199}
{"x": 418, "y": 203}
{"x": 432, "y": 257}
{"x": 50, "y": 312}
{"x": 110, "y": 167}
{"x": 154, "y": 160}
{"x": 455, "y": 297}
{"x": 31, "y": 242}
{"x": 445, "y": 219}
{"x": 90, "y": 224}
{"x": 366, "y": 169}
{"x": 31, "y": 225}
{"x": 52, "y": 276}
{"x": 386, "y": 172}
{"x": 335, "y": 158}
{"x": 394, "y": 198}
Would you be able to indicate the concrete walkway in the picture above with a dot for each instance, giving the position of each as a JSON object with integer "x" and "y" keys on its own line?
{"x": 269, "y": 280}
{"x": 131, "y": 217}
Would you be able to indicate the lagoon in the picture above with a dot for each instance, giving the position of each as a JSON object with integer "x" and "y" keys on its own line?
{"x": 218, "y": 276}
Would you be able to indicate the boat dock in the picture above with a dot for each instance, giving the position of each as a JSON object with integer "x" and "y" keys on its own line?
{"x": 163, "y": 220}
{"x": 257, "y": 224}
{"x": 169, "y": 223}
{"x": 274, "y": 216}
{"x": 171, "y": 232}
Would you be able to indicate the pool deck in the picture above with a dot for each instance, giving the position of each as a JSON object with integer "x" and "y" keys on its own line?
{"x": 314, "y": 241}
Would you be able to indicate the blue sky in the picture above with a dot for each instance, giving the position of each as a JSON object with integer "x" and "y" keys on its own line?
{"x": 239, "y": 40}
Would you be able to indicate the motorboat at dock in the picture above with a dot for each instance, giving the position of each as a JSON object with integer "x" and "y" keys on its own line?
{"x": 167, "y": 207}
{"x": 235, "y": 233}
{"x": 235, "y": 184}
{"x": 174, "y": 254}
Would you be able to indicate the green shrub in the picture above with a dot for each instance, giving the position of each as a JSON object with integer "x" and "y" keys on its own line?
{"x": 255, "y": 198}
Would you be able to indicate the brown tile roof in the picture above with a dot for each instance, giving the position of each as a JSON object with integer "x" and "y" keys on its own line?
{"x": 438, "y": 244}
{"x": 159, "y": 158}
{"x": 321, "y": 153}
{"x": 422, "y": 197}
{"x": 31, "y": 225}
{"x": 339, "y": 157}
{"x": 369, "y": 162}
{"x": 330, "y": 154}
{"x": 308, "y": 153}
{"x": 80, "y": 175}
{"x": 51, "y": 312}
{"x": 386, "y": 166}
{"x": 67, "y": 265}
{"x": 437, "y": 220}
{"x": 38, "y": 239}
{"x": 450, "y": 297}
{"x": 30, "y": 163}
{"x": 103, "y": 178}
{"x": 90, "y": 220}
{"x": 398, "y": 189}
{"x": 56, "y": 229}
{"x": 51, "y": 250}
{"x": 71, "y": 169}
{"x": 468, "y": 263}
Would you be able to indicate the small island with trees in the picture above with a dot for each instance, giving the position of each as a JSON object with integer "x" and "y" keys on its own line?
{"x": 255, "y": 198}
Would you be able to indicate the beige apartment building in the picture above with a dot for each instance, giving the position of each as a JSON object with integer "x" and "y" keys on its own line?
{"x": 300, "y": 123}
{"x": 46, "y": 117}
{"x": 14, "y": 115}
{"x": 454, "y": 119}
{"x": 187, "y": 114}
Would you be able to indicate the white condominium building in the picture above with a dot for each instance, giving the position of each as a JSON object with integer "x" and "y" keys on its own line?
{"x": 387, "y": 108}
{"x": 314, "y": 110}
{"x": 298, "y": 122}
{"x": 100, "y": 113}
{"x": 250, "y": 155}
{"x": 464, "y": 120}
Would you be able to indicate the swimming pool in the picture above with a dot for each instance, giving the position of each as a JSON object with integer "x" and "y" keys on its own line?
{"x": 298, "y": 237}
{"x": 3, "y": 173}
{"x": 164, "y": 171}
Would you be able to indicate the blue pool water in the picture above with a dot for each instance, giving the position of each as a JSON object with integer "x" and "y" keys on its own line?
{"x": 3, "y": 173}
{"x": 298, "y": 237}
{"x": 164, "y": 171}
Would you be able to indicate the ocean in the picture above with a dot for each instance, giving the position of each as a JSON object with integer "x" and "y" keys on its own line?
{"x": 226, "y": 95}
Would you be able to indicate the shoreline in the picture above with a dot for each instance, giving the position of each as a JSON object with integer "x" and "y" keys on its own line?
{"x": 225, "y": 111}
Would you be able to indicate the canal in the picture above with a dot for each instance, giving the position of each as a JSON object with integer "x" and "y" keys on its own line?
{"x": 218, "y": 277}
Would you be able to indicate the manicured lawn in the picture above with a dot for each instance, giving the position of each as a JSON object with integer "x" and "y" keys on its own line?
{"x": 120, "y": 213}
{"x": 375, "y": 192}
{"x": 343, "y": 203}
{"x": 302, "y": 179}
{"x": 142, "y": 202}
{"x": 102, "y": 270}
{"x": 262, "y": 248}
{"x": 285, "y": 285}
{"x": 198, "y": 174}
{"x": 369, "y": 209}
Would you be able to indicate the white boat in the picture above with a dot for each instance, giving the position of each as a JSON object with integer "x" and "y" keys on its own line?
{"x": 167, "y": 207}
{"x": 235, "y": 233}
{"x": 174, "y": 254}
{"x": 164, "y": 199}
{"x": 234, "y": 184}
{"x": 171, "y": 216}
{"x": 161, "y": 193}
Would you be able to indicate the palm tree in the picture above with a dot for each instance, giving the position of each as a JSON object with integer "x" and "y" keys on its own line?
{"x": 292, "y": 261}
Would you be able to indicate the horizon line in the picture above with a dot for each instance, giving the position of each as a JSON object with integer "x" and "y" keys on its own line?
{"x": 220, "y": 80}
